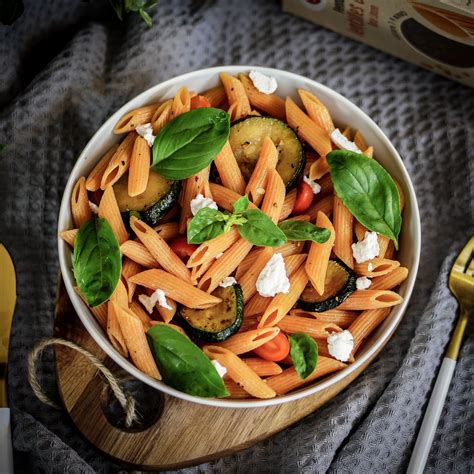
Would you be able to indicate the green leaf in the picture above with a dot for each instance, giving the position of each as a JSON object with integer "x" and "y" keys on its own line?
{"x": 190, "y": 142}
{"x": 260, "y": 230}
{"x": 234, "y": 219}
{"x": 183, "y": 365}
{"x": 295, "y": 229}
{"x": 304, "y": 353}
{"x": 146, "y": 17}
{"x": 368, "y": 191}
{"x": 205, "y": 225}
{"x": 241, "y": 204}
{"x": 117, "y": 5}
{"x": 97, "y": 262}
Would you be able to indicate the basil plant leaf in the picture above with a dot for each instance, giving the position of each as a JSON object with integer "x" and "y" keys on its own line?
{"x": 205, "y": 225}
{"x": 241, "y": 204}
{"x": 260, "y": 229}
{"x": 304, "y": 353}
{"x": 190, "y": 142}
{"x": 295, "y": 229}
{"x": 183, "y": 365}
{"x": 368, "y": 191}
{"x": 97, "y": 262}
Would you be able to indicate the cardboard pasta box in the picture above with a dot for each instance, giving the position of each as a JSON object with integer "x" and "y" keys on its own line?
{"x": 435, "y": 34}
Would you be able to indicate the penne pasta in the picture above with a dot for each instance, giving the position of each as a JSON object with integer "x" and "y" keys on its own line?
{"x": 267, "y": 160}
{"x": 289, "y": 379}
{"x": 240, "y": 372}
{"x": 249, "y": 324}
{"x": 312, "y": 327}
{"x": 262, "y": 367}
{"x": 216, "y": 96}
{"x": 342, "y": 222}
{"x": 340, "y": 317}
{"x": 229, "y": 170}
{"x": 120, "y": 295}
{"x": 359, "y": 141}
{"x": 317, "y": 111}
{"x": 318, "y": 256}
{"x": 198, "y": 271}
{"x": 69, "y": 236}
{"x": 119, "y": 163}
{"x": 288, "y": 205}
{"x": 166, "y": 313}
{"x": 366, "y": 322}
{"x": 371, "y": 299}
{"x": 181, "y": 102}
{"x": 319, "y": 168}
{"x": 167, "y": 231}
{"x": 390, "y": 280}
{"x": 248, "y": 280}
{"x": 130, "y": 268}
{"x": 236, "y": 96}
{"x": 274, "y": 195}
{"x": 109, "y": 210}
{"x": 137, "y": 309}
{"x": 131, "y": 120}
{"x": 256, "y": 306}
{"x": 324, "y": 205}
{"x": 225, "y": 198}
{"x": 175, "y": 288}
{"x": 114, "y": 331}
{"x": 139, "y": 167}
{"x": 369, "y": 152}
{"x": 235, "y": 390}
{"x": 160, "y": 250}
{"x": 100, "y": 313}
{"x": 80, "y": 209}
{"x": 137, "y": 252}
{"x": 390, "y": 252}
{"x": 248, "y": 341}
{"x": 376, "y": 267}
{"x": 95, "y": 176}
{"x": 161, "y": 116}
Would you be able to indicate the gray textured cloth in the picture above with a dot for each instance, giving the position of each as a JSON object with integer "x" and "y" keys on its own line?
{"x": 67, "y": 65}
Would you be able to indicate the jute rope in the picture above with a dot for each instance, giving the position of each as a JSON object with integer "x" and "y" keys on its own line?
{"x": 125, "y": 399}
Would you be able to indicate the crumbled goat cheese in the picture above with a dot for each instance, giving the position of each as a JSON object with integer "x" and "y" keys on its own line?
{"x": 370, "y": 267}
{"x": 342, "y": 142}
{"x": 263, "y": 83}
{"x": 200, "y": 202}
{"x": 146, "y": 131}
{"x": 227, "y": 281}
{"x": 312, "y": 184}
{"x": 273, "y": 278}
{"x": 221, "y": 370}
{"x": 366, "y": 249}
{"x": 158, "y": 296}
{"x": 94, "y": 207}
{"x": 340, "y": 345}
{"x": 219, "y": 255}
{"x": 362, "y": 283}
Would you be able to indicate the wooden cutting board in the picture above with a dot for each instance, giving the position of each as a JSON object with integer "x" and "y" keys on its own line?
{"x": 184, "y": 433}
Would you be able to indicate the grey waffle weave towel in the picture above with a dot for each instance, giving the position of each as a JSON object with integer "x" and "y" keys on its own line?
{"x": 67, "y": 65}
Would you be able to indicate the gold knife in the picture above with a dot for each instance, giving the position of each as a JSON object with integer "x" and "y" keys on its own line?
{"x": 7, "y": 308}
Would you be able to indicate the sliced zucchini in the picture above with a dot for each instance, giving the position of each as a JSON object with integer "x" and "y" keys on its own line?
{"x": 340, "y": 282}
{"x": 219, "y": 322}
{"x": 159, "y": 197}
{"x": 246, "y": 137}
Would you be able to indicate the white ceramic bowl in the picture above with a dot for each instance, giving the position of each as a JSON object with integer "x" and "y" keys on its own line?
{"x": 343, "y": 113}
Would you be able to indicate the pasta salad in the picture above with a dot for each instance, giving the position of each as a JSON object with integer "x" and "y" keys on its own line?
{"x": 236, "y": 244}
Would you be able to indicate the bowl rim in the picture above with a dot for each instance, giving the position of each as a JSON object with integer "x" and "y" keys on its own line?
{"x": 89, "y": 321}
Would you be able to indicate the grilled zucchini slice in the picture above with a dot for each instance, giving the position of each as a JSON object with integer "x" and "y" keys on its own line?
{"x": 340, "y": 282}
{"x": 246, "y": 137}
{"x": 219, "y": 322}
{"x": 159, "y": 197}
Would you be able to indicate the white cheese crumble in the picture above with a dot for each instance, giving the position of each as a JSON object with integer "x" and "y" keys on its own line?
{"x": 263, "y": 83}
{"x": 316, "y": 188}
{"x": 362, "y": 283}
{"x": 227, "y": 281}
{"x": 342, "y": 142}
{"x": 366, "y": 249}
{"x": 221, "y": 370}
{"x": 219, "y": 255}
{"x": 146, "y": 131}
{"x": 370, "y": 267}
{"x": 273, "y": 278}
{"x": 158, "y": 296}
{"x": 94, "y": 207}
{"x": 340, "y": 345}
{"x": 199, "y": 202}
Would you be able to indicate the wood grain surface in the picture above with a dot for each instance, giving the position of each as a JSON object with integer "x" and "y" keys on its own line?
{"x": 186, "y": 433}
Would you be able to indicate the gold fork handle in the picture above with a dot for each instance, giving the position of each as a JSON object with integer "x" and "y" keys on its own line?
{"x": 456, "y": 339}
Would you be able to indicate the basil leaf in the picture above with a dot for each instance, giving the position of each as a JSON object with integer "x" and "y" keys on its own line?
{"x": 304, "y": 353}
{"x": 97, "y": 262}
{"x": 190, "y": 142}
{"x": 295, "y": 229}
{"x": 183, "y": 365}
{"x": 241, "y": 204}
{"x": 234, "y": 219}
{"x": 205, "y": 225}
{"x": 260, "y": 229}
{"x": 368, "y": 191}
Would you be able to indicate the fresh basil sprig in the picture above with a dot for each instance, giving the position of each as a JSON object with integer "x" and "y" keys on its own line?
{"x": 368, "y": 191}
{"x": 190, "y": 142}
{"x": 97, "y": 262}
{"x": 252, "y": 224}
{"x": 304, "y": 353}
{"x": 183, "y": 365}
{"x": 295, "y": 229}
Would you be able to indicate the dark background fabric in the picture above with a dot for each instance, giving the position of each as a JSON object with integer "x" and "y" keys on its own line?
{"x": 66, "y": 65}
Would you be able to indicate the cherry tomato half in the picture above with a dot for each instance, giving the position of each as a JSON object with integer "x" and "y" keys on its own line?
{"x": 275, "y": 350}
{"x": 181, "y": 248}
{"x": 304, "y": 198}
{"x": 199, "y": 101}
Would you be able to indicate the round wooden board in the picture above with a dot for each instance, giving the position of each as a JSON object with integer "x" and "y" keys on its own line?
{"x": 186, "y": 433}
